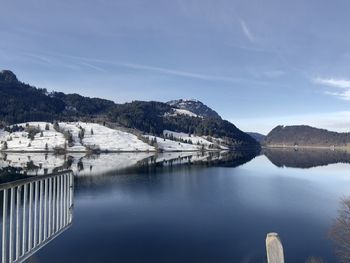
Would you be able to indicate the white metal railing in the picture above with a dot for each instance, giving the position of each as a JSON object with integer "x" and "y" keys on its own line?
{"x": 35, "y": 211}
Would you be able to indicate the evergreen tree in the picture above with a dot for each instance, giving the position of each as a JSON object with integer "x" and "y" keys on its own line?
{"x": 69, "y": 137}
{"x": 81, "y": 134}
{"x": 5, "y": 147}
{"x": 56, "y": 126}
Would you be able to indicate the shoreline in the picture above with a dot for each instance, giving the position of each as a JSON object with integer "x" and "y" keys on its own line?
{"x": 305, "y": 147}
{"x": 99, "y": 152}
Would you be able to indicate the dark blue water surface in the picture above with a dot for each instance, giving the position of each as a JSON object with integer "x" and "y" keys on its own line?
{"x": 204, "y": 213}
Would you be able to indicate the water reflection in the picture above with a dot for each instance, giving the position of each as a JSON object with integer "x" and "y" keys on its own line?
{"x": 81, "y": 164}
{"x": 35, "y": 211}
{"x": 315, "y": 260}
{"x": 305, "y": 158}
{"x": 158, "y": 207}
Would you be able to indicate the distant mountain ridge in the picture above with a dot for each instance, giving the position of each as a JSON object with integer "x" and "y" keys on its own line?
{"x": 195, "y": 107}
{"x": 20, "y": 102}
{"x": 302, "y": 135}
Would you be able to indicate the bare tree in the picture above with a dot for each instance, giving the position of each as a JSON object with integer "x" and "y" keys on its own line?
{"x": 340, "y": 232}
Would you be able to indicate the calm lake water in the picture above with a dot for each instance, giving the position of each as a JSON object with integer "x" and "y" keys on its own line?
{"x": 218, "y": 208}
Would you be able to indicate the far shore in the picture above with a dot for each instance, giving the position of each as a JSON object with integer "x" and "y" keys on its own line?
{"x": 306, "y": 147}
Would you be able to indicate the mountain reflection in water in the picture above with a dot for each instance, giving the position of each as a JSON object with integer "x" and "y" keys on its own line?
{"x": 305, "y": 158}
{"x": 82, "y": 164}
{"x": 38, "y": 164}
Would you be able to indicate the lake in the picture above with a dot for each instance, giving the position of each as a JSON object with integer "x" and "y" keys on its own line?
{"x": 192, "y": 207}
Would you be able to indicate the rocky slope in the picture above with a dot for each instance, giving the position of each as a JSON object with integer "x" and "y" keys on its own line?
{"x": 194, "y": 106}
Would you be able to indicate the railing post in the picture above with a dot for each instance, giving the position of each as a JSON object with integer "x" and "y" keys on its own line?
{"x": 274, "y": 248}
{"x": 61, "y": 205}
{"x": 71, "y": 188}
{"x": 58, "y": 204}
{"x": 53, "y": 204}
{"x": 4, "y": 228}
{"x": 64, "y": 199}
{"x": 24, "y": 219}
{"x": 40, "y": 210}
{"x": 18, "y": 204}
{"x": 45, "y": 210}
{"x": 12, "y": 201}
{"x": 35, "y": 234}
{"x": 50, "y": 199}
{"x": 30, "y": 227}
{"x": 68, "y": 198}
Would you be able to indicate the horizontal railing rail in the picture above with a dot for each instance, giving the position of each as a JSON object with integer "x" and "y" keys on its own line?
{"x": 31, "y": 179}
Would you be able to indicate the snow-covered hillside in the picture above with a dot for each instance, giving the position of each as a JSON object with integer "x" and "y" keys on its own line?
{"x": 72, "y": 137}
{"x": 202, "y": 141}
{"x": 84, "y": 137}
{"x": 46, "y": 139}
{"x": 97, "y": 136}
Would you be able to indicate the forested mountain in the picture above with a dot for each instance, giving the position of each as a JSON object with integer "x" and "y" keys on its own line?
{"x": 196, "y": 107}
{"x": 79, "y": 105}
{"x": 20, "y": 102}
{"x": 152, "y": 117}
{"x": 306, "y": 136}
{"x": 257, "y": 136}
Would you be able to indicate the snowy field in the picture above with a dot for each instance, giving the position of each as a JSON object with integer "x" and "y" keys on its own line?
{"x": 50, "y": 138}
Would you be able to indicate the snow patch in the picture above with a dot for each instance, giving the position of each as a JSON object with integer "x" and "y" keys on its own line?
{"x": 177, "y": 112}
{"x": 173, "y": 146}
{"x": 196, "y": 140}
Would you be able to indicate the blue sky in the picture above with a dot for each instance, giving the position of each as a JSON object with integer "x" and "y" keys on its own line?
{"x": 258, "y": 63}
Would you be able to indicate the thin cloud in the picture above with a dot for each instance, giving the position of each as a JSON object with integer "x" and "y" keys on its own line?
{"x": 342, "y": 85}
{"x": 246, "y": 31}
{"x": 91, "y": 62}
{"x": 102, "y": 66}
{"x": 175, "y": 72}
{"x": 52, "y": 61}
